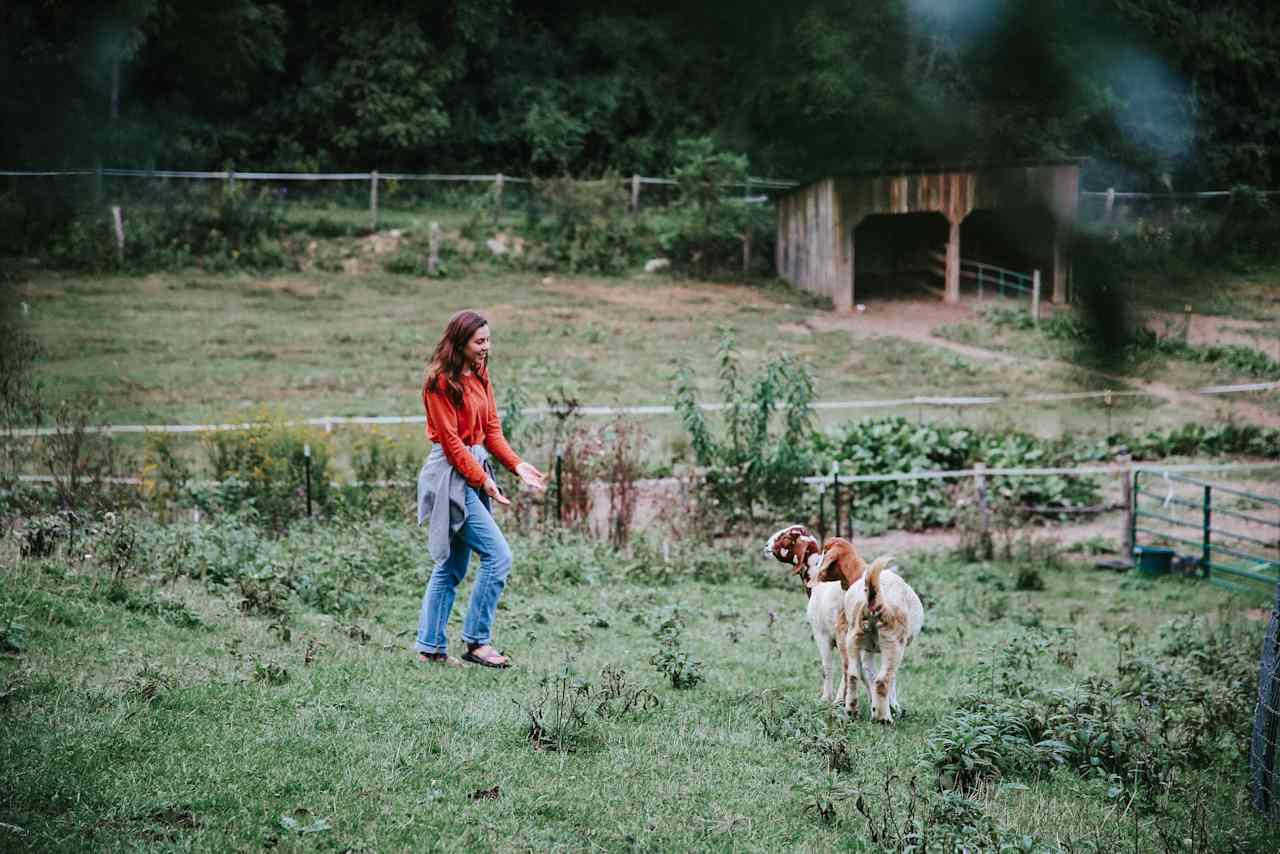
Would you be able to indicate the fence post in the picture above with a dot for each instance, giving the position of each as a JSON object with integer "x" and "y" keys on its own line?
{"x": 306, "y": 453}
{"x": 1035, "y": 297}
{"x": 1206, "y": 548}
{"x": 497, "y": 198}
{"x": 635, "y": 193}
{"x": 373, "y": 200}
{"x": 559, "y": 516}
{"x": 433, "y": 258}
{"x": 1111, "y": 203}
{"x": 835, "y": 498}
{"x": 97, "y": 183}
{"x": 984, "y": 516}
{"x": 1133, "y": 511}
{"x": 746, "y": 252}
{"x": 822, "y": 512}
{"x": 118, "y": 221}
{"x": 1126, "y": 497}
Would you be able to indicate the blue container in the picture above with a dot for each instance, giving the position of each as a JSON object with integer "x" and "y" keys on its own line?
{"x": 1153, "y": 560}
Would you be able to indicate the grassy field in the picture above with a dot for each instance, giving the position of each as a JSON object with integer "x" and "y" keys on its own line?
{"x": 199, "y": 348}
{"x": 165, "y": 712}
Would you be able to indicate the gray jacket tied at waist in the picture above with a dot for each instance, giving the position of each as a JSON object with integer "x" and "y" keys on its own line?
{"x": 442, "y": 498}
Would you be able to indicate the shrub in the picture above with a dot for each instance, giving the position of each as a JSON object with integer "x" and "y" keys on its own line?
{"x": 219, "y": 227}
{"x": 584, "y": 226}
{"x": 263, "y": 469}
{"x": 382, "y": 465}
{"x": 757, "y": 462}
{"x": 82, "y": 462}
{"x": 704, "y": 232}
{"x": 165, "y": 475}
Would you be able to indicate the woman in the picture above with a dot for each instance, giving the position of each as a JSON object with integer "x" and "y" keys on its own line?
{"x": 456, "y": 488}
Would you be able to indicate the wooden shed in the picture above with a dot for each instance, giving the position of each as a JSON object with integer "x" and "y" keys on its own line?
{"x": 818, "y": 223}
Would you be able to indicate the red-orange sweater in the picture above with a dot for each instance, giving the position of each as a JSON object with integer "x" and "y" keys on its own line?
{"x": 476, "y": 422}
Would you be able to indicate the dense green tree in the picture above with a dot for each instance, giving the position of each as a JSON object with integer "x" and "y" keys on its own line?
{"x": 1153, "y": 90}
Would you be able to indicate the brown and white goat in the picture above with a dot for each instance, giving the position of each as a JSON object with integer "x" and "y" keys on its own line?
{"x": 882, "y": 616}
{"x": 797, "y": 546}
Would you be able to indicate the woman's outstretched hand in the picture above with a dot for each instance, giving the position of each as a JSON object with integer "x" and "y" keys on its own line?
{"x": 491, "y": 490}
{"x": 532, "y": 478}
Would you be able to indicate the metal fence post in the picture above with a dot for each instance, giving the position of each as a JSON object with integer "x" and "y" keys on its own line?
{"x": 1207, "y": 556}
{"x": 1133, "y": 514}
{"x": 373, "y": 200}
{"x": 822, "y": 511}
{"x": 559, "y": 516}
{"x": 306, "y": 454}
{"x": 835, "y": 500}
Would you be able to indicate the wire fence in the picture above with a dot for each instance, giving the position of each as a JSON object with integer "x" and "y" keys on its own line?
{"x": 329, "y": 422}
{"x": 384, "y": 189}
{"x": 1264, "y": 749}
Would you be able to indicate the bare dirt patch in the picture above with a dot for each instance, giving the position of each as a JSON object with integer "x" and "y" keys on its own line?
{"x": 665, "y": 299}
{"x": 1207, "y": 330}
{"x": 300, "y": 288}
{"x": 916, "y": 320}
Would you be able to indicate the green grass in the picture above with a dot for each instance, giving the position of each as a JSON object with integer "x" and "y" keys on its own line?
{"x": 198, "y": 348}
{"x": 125, "y": 729}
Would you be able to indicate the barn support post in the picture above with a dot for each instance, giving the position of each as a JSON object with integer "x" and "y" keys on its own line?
{"x": 953, "y": 264}
{"x": 1060, "y": 268}
{"x": 846, "y": 272}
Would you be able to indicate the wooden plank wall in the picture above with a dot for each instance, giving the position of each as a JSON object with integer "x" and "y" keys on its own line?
{"x": 815, "y": 248}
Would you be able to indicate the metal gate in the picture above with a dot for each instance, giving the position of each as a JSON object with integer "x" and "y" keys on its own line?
{"x": 1238, "y": 542}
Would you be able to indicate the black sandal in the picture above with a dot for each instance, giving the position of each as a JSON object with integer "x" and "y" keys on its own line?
{"x": 438, "y": 658}
{"x": 470, "y": 656}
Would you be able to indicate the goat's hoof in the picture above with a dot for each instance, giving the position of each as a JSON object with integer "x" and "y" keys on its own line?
{"x": 884, "y": 721}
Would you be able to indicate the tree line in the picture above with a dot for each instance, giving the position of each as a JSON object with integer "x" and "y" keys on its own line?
{"x": 1156, "y": 92}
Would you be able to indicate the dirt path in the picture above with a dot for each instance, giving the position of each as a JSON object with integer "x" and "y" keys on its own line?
{"x": 916, "y": 320}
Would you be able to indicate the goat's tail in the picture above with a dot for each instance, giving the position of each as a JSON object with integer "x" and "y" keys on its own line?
{"x": 873, "y": 576}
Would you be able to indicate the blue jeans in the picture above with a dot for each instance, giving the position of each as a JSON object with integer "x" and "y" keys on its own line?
{"x": 479, "y": 533}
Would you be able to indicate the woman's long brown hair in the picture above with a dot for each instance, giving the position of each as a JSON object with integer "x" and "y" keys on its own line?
{"x": 449, "y": 357}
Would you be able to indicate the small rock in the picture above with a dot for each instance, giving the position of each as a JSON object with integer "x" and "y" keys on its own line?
{"x": 861, "y": 307}
{"x": 653, "y": 265}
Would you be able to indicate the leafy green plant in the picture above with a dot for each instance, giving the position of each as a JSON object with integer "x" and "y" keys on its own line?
{"x": 760, "y": 459}
{"x": 704, "y": 232}
{"x": 263, "y": 469}
{"x": 584, "y": 226}
{"x": 681, "y": 669}
{"x": 559, "y": 714}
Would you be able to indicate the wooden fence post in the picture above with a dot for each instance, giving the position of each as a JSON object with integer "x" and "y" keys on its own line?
{"x": 497, "y": 198}
{"x": 118, "y": 220}
{"x": 746, "y": 252}
{"x": 1035, "y": 297}
{"x": 373, "y": 200}
{"x": 1126, "y": 497}
{"x": 433, "y": 259}
{"x": 635, "y": 193}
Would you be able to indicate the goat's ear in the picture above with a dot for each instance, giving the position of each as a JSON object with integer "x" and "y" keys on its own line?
{"x": 827, "y": 570}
